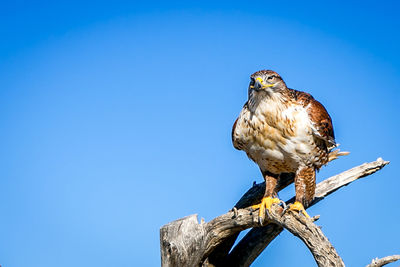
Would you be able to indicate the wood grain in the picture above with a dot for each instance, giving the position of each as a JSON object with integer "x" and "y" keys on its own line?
{"x": 186, "y": 242}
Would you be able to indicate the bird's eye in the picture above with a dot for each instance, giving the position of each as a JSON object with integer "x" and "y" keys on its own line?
{"x": 270, "y": 77}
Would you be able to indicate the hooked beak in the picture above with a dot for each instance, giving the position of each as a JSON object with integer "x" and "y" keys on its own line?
{"x": 259, "y": 84}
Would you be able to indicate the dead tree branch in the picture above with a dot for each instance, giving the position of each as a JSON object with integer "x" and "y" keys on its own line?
{"x": 185, "y": 242}
{"x": 383, "y": 261}
{"x": 257, "y": 239}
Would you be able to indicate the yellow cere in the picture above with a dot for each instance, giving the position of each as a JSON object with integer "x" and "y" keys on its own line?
{"x": 259, "y": 79}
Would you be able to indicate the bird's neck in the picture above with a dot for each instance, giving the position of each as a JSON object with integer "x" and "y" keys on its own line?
{"x": 261, "y": 99}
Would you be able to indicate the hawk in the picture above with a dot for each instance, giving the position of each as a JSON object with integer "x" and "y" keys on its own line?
{"x": 284, "y": 131}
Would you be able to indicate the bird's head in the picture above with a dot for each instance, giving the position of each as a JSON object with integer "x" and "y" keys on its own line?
{"x": 266, "y": 81}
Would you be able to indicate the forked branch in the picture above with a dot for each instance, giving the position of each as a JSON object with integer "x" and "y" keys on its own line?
{"x": 257, "y": 239}
{"x": 186, "y": 242}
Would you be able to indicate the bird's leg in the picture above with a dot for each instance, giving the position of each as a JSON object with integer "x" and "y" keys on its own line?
{"x": 269, "y": 198}
{"x": 305, "y": 189}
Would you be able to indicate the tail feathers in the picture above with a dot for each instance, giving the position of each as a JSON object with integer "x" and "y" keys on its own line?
{"x": 336, "y": 153}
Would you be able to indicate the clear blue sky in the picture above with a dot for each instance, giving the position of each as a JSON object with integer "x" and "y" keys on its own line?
{"x": 115, "y": 118}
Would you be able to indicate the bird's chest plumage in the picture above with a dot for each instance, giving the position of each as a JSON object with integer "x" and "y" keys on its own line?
{"x": 276, "y": 135}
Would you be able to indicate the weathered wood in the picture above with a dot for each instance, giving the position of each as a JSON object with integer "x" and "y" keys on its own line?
{"x": 185, "y": 242}
{"x": 322, "y": 250}
{"x": 383, "y": 261}
{"x": 252, "y": 244}
{"x": 257, "y": 239}
{"x": 305, "y": 229}
{"x": 182, "y": 242}
{"x": 253, "y": 196}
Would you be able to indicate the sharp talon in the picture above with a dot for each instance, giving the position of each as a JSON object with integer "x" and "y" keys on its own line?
{"x": 283, "y": 204}
{"x": 235, "y": 212}
{"x": 297, "y": 206}
{"x": 285, "y": 209}
{"x": 260, "y": 221}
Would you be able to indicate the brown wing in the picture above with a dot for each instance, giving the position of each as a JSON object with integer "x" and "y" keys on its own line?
{"x": 318, "y": 115}
{"x": 236, "y": 143}
{"x": 233, "y": 139}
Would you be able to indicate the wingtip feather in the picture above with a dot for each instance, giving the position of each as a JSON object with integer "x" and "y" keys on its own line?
{"x": 337, "y": 153}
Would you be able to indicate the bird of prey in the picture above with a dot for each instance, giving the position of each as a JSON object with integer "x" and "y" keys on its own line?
{"x": 284, "y": 131}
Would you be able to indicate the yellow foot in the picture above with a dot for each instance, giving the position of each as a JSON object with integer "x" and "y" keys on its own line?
{"x": 297, "y": 206}
{"x": 266, "y": 203}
